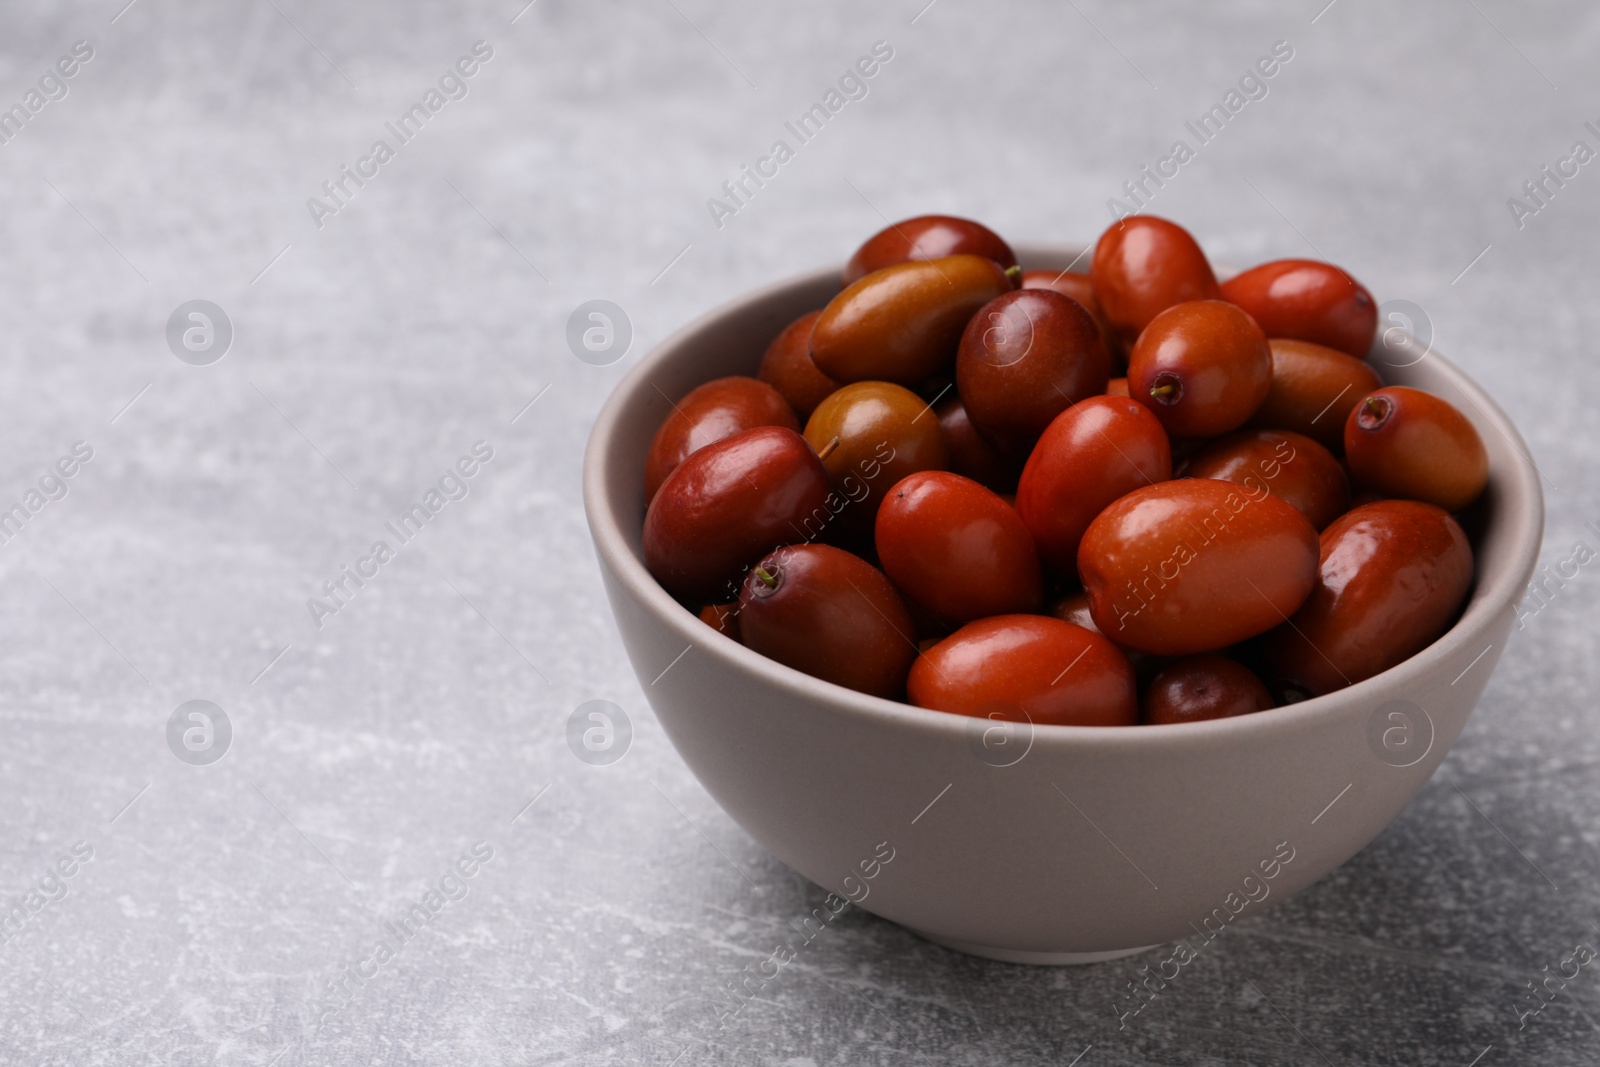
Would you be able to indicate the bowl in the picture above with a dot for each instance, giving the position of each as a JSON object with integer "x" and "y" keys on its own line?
{"x": 1041, "y": 844}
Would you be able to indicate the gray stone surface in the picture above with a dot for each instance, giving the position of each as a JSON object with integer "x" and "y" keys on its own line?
{"x": 424, "y": 716}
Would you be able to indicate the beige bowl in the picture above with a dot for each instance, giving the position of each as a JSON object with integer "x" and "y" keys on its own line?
{"x": 1049, "y": 844}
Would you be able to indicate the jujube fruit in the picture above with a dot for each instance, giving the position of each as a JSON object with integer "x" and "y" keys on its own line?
{"x": 1203, "y": 687}
{"x": 723, "y": 618}
{"x": 728, "y": 505}
{"x": 831, "y": 615}
{"x": 1027, "y": 668}
{"x": 1025, "y": 357}
{"x": 1144, "y": 265}
{"x": 1288, "y": 465}
{"x": 957, "y": 549}
{"x": 970, "y": 454}
{"x": 787, "y": 366}
{"x": 1391, "y": 577}
{"x": 1313, "y": 389}
{"x": 883, "y": 433}
{"x": 1202, "y": 368}
{"x": 1402, "y": 442}
{"x": 902, "y": 323}
{"x": 1079, "y": 287}
{"x": 1195, "y": 565}
{"x": 1307, "y": 300}
{"x": 1094, "y": 452}
{"x": 711, "y": 412}
{"x": 926, "y": 237}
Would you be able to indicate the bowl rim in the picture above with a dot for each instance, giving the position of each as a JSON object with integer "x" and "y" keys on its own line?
{"x": 1484, "y": 603}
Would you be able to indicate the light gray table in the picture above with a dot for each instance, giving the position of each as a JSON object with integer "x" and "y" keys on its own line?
{"x": 428, "y": 713}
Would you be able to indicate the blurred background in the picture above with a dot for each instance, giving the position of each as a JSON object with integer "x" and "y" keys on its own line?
{"x": 237, "y": 879}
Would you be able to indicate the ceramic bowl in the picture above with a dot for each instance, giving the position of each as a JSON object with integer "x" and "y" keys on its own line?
{"x": 1047, "y": 844}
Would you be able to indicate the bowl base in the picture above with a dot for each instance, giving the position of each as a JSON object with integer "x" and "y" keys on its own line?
{"x": 1037, "y": 959}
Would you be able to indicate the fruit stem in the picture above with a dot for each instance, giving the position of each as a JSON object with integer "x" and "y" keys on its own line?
{"x": 769, "y": 580}
{"x": 1161, "y": 392}
{"x": 1014, "y": 274}
{"x": 827, "y": 449}
{"x": 1375, "y": 411}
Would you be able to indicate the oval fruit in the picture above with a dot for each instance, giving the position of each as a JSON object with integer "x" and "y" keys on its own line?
{"x": 926, "y": 237}
{"x": 1195, "y": 565}
{"x": 957, "y": 549}
{"x": 1079, "y": 287}
{"x": 971, "y": 456}
{"x": 1403, "y": 442}
{"x": 1025, "y": 357}
{"x": 1391, "y": 577}
{"x": 1074, "y": 608}
{"x": 1203, "y": 368}
{"x": 1204, "y": 687}
{"x": 787, "y": 366}
{"x": 903, "y": 323}
{"x": 711, "y": 412}
{"x": 1027, "y": 668}
{"x": 1094, "y": 452}
{"x": 1313, "y": 389}
{"x": 728, "y": 505}
{"x": 723, "y": 618}
{"x": 831, "y": 615}
{"x": 1288, "y": 465}
{"x": 1307, "y": 300}
{"x": 1142, "y": 266}
{"x": 884, "y": 432}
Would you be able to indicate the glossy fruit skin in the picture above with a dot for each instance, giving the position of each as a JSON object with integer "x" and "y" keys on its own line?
{"x": 903, "y": 323}
{"x": 1313, "y": 389}
{"x": 728, "y": 505}
{"x": 1027, "y": 668}
{"x": 1026, "y": 357}
{"x": 1203, "y": 687}
{"x": 1195, "y": 565}
{"x": 1144, "y": 265}
{"x": 1288, "y": 465}
{"x": 1403, "y": 442}
{"x": 1392, "y": 576}
{"x": 1203, "y": 368}
{"x": 831, "y": 615}
{"x": 1079, "y": 287}
{"x": 970, "y": 455}
{"x": 711, "y": 412}
{"x": 1074, "y": 608}
{"x": 1094, "y": 452}
{"x": 723, "y": 618}
{"x": 927, "y": 237}
{"x": 1307, "y": 300}
{"x": 957, "y": 549}
{"x": 885, "y": 432}
{"x": 787, "y": 367}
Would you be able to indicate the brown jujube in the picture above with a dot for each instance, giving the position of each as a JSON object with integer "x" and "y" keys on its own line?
{"x": 926, "y": 237}
{"x": 902, "y": 323}
{"x": 787, "y": 366}
{"x": 709, "y": 413}
{"x": 1025, "y": 357}
{"x": 831, "y": 615}
{"x": 1391, "y": 577}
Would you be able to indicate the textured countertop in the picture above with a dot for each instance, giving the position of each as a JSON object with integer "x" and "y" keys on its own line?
{"x": 416, "y": 729}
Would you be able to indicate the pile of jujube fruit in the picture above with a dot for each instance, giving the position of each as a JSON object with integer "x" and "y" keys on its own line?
{"x": 1133, "y": 495}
